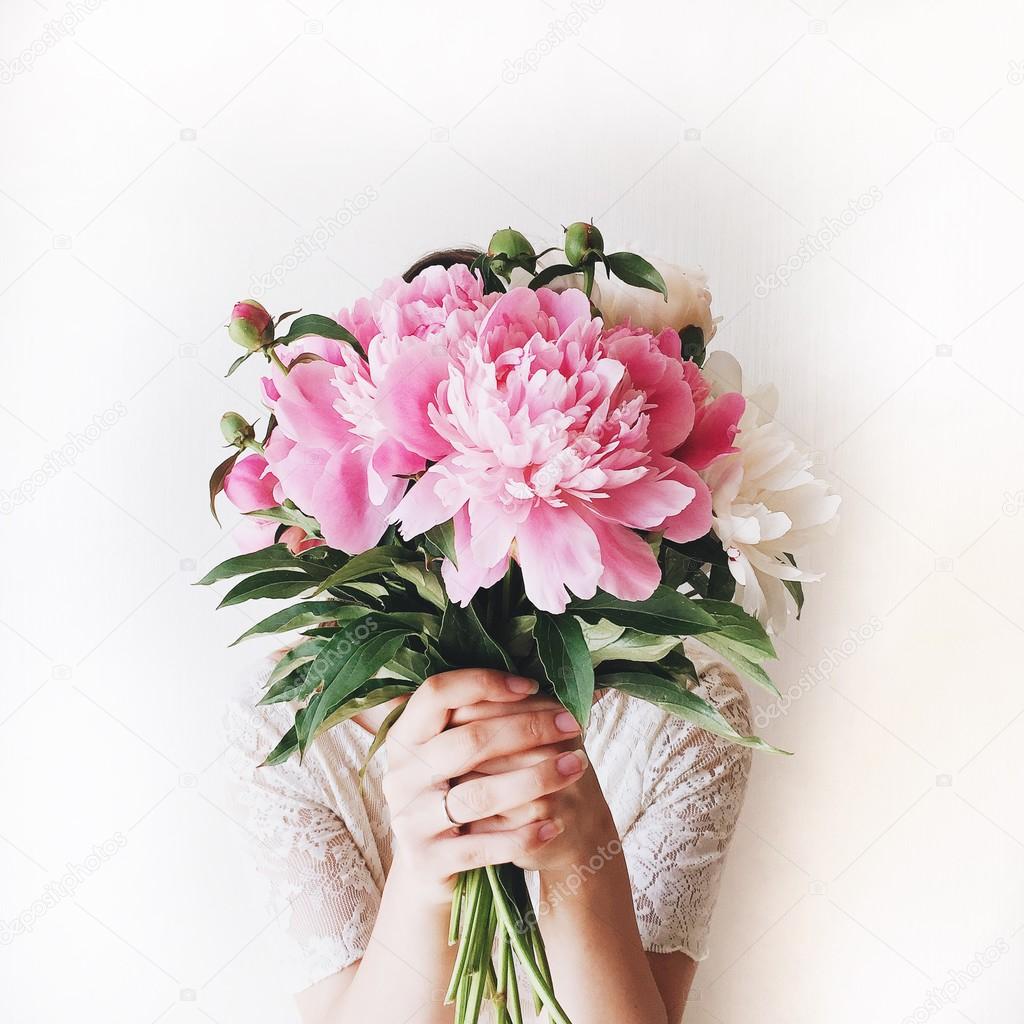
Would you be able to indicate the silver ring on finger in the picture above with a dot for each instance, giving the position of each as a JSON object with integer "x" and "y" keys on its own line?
{"x": 448, "y": 814}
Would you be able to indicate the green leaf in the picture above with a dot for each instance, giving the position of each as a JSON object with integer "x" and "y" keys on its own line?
{"x": 306, "y": 613}
{"x": 549, "y": 274}
{"x": 277, "y": 556}
{"x": 632, "y": 645}
{"x": 517, "y": 635}
{"x": 295, "y": 686}
{"x": 380, "y": 736}
{"x": 795, "y": 588}
{"x": 693, "y": 347}
{"x": 290, "y": 517}
{"x": 428, "y": 584}
{"x": 665, "y": 613}
{"x": 721, "y": 583}
{"x": 563, "y": 653}
{"x": 292, "y": 659}
{"x": 345, "y": 663}
{"x": 217, "y": 479}
{"x": 600, "y": 634}
{"x": 679, "y": 701}
{"x": 237, "y": 363}
{"x": 289, "y": 743}
{"x": 741, "y": 640}
{"x": 705, "y": 550}
{"x": 635, "y": 270}
{"x": 464, "y": 643}
{"x": 368, "y": 563}
{"x": 440, "y": 541}
{"x": 274, "y": 583}
{"x": 321, "y": 327}
{"x": 411, "y": 665}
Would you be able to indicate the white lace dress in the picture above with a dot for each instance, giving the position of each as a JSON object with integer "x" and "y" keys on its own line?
{"x": 675, "y": 792}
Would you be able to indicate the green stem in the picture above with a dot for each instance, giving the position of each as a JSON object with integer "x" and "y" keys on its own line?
{"x": 457, "y": 894}
{"x": 473, "y": 887}
{"x": 523, "y": 952}
{"x": 277, "y": 359}
{"x": 508, "y": 970}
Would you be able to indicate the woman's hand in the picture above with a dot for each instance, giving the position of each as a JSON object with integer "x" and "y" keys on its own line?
{"x": 426, "y": 750}
{"x": 546, "y": 783}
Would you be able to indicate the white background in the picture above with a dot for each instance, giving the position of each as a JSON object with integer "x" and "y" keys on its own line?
{"x": 160, "y": 159}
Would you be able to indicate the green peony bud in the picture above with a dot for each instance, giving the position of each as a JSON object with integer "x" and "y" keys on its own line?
{"x": 509, "y": 249}
{"x": 581, "y": 241}
{"x": 236, "y": 430}
{"x": 510, "y": 243}
{"x": 250, "y": 325}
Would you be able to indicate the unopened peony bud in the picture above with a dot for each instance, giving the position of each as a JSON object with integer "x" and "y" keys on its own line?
{"x": 250, "y": 325}
{"x": 581, "y": 241}
{"x": 236, "y": 430}
{"x": 508, "y": 249}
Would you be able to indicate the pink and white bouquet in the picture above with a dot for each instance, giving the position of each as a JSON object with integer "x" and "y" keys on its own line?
{"x": 547, "y": 478}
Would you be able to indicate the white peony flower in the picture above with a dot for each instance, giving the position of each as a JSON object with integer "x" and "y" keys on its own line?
{"x": 689, "y": 301}
{"x": 766, "y": 503}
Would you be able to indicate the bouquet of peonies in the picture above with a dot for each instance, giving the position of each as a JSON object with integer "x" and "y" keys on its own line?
{"x": 548, "y": 479}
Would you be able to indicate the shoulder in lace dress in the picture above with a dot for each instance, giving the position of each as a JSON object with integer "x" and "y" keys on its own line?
{"x": 675, "y": 792}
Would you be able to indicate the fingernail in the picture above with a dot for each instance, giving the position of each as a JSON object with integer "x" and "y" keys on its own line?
{"x": 572, "y": 763}
{"x": 564, "y": 722}
{"x": 519, "y": 684}
{"x": 550, "y": 829}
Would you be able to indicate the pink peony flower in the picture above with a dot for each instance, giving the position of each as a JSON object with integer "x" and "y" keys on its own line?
{"x": 345, "y": 442}
{"x": 343, "y": 477}
{"x": 550, "y": 457}
{"x": 418, "y": 309}
{"x": 251, "y": 486}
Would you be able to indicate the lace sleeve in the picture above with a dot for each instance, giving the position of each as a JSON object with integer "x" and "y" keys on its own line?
{"x": 320, "y": 885}
{"x": 693, "y": 791}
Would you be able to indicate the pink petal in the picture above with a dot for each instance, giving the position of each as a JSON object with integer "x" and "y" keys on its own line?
{"x": 389, "y": 460}
{"x": 341, "y": 502}
{"x": 250, "y": 485}
{"x": 492, "y": 530}
{"x": 305, "y": 410}
{"x": 631, "y": 571}
{"x": 405, "y": 395}
{"x": 714, "y": 432}
{"x": 695, "y": 519}
{"x": 557, "y": 549}
{"x": 253, "y": 534}
{"x": 463, "y": 581}
{"x": 647, "y": 502}
{"x": 422, "y": 507}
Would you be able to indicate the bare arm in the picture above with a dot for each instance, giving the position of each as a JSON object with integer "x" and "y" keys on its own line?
{"x": 405, "y": 970}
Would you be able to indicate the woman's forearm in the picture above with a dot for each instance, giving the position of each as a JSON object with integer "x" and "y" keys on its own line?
{"x": 408, "y": 963}
{"x": 598, "y": 964}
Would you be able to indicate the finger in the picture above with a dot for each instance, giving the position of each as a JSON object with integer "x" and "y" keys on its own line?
{"x": 459, "y": 750}
{"x": 465, "y": 852}
{"x": 429, "y": 707}
{"x": 491, "y": 709}
{"x": 486, "y": 797}
{"x": 511, "y": 820}
{"x": 522, "y": 759}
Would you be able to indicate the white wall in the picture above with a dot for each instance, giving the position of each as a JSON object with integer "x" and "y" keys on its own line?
{"x": 158, "y": 157}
